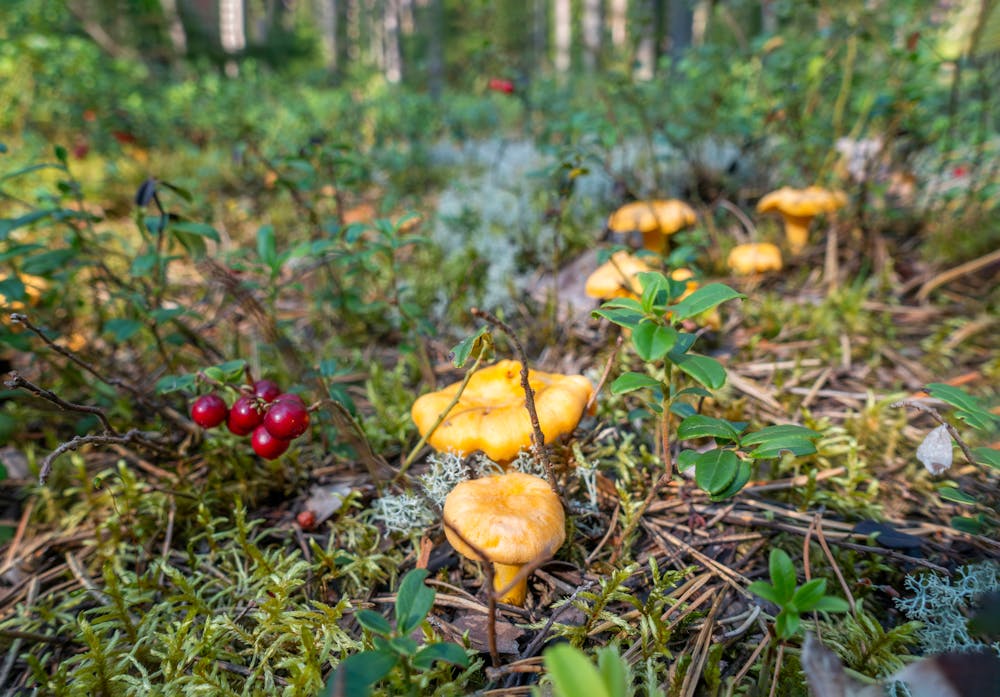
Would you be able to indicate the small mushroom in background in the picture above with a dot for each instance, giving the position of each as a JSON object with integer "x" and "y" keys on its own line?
{"x": 798, "y": 207}
{"x": 656, "y": 220}
{"x": 754, "y": 258}
{"x": 491, "y": 415}
{"x": 617, "y": 278}
{"x": 513, "y": 519}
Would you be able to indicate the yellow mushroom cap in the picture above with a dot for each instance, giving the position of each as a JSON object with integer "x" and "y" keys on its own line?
{"x": 491, "y": 415}
{"x": 513, "y": 518}
{"x": 614, "y": 278}
{"x": 802, "y": 203}
{"x": 746, "y": 259}
{"x": 656, "y": 220}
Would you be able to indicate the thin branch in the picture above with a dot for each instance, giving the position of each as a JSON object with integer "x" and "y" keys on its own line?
{"x": 919, "y": 406}
{"x": 15, "y": 381}
{"x": 537, "y": 437}
{"x": 133, "y": 437}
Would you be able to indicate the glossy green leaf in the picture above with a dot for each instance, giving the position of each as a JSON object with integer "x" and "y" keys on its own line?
{"x": 739, "y": 481}
{"x": 573, "y": 675}
{"x": 479, "y": 344}
{"x": 702, "y": 300}
{"x": 267, "y": 248}
{"x": 652, "y": 340}
{"x": 782, "y": 573}
{"x": 773, "y": 440}
{"x": 614, "y": 671}
{"x": 808, "y": 594}
{"x": 122, "y": 329}
{"x": 173, "y": 383}
{"x": 440, "y": 651}
{"x": 403, "y": 645}
{"x": 620, "y": 316}
{"x": 973, "y": 526}
{"x": 970, "y": 410}
{"x": 987, "y": 456}
{"x": 373, "y": 622}
{"x": 47, "y": 262}
{"x": 950, "y": 493}
{"x": 708, "y": 371}
{"x": 716, "y": 469}
{"x": 766, "y": 591}
{"x": 194, "y": 228}
{"x": 629, "y": 382}
{"x": 787, "y": 624}
{"x": 357, "y": 673}
{"x": 413, "y": 601}
{"x": 701, "y": 426}
{"x": 830, "y": 603}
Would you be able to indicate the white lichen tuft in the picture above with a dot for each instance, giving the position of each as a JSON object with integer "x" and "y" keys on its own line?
{"x": 404, "y": 513}
{"x": 942, "y": 606}
{"x": 447, "y": 470}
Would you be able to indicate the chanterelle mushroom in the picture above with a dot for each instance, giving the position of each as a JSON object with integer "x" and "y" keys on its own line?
{"x": 617, "y": 278}
{"x": 757, "y": 257}
{"x": 656, "y": 220}
{"x": 491, "y": 415}
{"x": 512, "y": 519}
{"x": 798, "y": 207}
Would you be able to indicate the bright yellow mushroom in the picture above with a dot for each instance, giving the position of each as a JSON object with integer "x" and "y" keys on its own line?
{"x": 512, "y": 519}
{"x": 656, "y": 220}
{"x": 617, "y": 278}
{"x": 491, "y": 415}
{"x": 798, "y": 207}
{"x": 757, "y": 257}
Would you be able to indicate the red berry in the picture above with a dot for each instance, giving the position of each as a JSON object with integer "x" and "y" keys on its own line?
{"x": 208, "y": 411}
{"x": 287, "y": 419}
{"x": 289, "y": 397}
{"x": 266, "y": 390}
{"x": 244, "y": 417}
{"x": 266, "y": 445}
{"x": 306, "y": 520}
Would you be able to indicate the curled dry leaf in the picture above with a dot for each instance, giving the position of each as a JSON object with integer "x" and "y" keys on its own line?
{"x": 935, "y": 453}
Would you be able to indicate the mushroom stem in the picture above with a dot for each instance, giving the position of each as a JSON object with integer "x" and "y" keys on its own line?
{"x": 654, "y": 240}
{"x": 503, "y": 575}
{"x": 797, "y": 232}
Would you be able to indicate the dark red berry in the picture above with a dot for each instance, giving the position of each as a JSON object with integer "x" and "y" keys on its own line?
{"x": 244, "y": 416}
{"x": 266, "y": 390}
{"x": 209, "y": 410}
{"x": 266, "y": 445}
{"x": 306, "y": 520}
{"x": 287, "y": 419}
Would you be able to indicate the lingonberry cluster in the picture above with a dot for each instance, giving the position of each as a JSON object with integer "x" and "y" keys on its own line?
{"x": 270, "y": 417}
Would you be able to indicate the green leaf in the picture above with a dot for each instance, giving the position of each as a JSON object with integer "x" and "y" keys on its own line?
{"x": 194, "y": 228}
{"x": 702, "y": 300}
{"x": 47, "y": 262}
{"x": 773, "y": 440}
{"x": 357, "y": 673}
{"x": 230, "y": 371}
{"x": 479, "y": 344}
{"x": 614, "y": 671}
{"x": 403, "y": 645}
{"x": 969, "y": 408}
{"x": 573, "y": 675}
{"x": 8, "y": 225}
{"x": 987, "y": 456}
{"x": 830, "y": 603}
{"x": 123, "y": 329}
{"x": 787, "y": 624}
{"x": 652, "y": 284}
{"x": 173, "y": 383}
{"x": 413, "y": 601}
{"x": 766, "y": 591}
{"x": 716, "y": 469}
{"x": 739, "y": 481}
{"x": 373, "y": 622}
{"x": 700, "y": 426}
{"x": 629, "y": 382}
{"x": 808, "y": 594}
{"x": 12, "y": 289}
{"x": 708, "y": 371}
{"x": 950, "y": 493}
{"x": 60, "y": 153}
{"x": 620, "y": 316}
{"x": 652, "y": 340}
{"x": 782, "y": 573}
{"x": 267, "y": 248}
{"x": 440, "y": 651}
{"x": 973, "y": 526}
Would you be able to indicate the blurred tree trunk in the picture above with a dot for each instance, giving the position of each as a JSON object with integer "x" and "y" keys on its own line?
{"x": 768, "y": 18}
{"x": 649, "y": 18}
{"x": 679, "y": 18}
{"x": 390, "y": 33}
{"x": 435, "y": 48}
{"x": 618, "y": 22}
{"x": 562, "y": 29}
{"x": 175, "y": 27}
{"x": 591, "y": 31}
{"x": 328, "y": 14}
